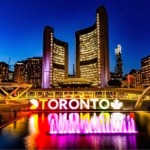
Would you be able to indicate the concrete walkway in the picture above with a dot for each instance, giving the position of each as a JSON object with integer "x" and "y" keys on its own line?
{"x": 9, "y": 117}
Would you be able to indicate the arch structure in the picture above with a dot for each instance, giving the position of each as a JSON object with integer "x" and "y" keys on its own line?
{"x": 9, "y": 89}
{"x": 140, "y": 100}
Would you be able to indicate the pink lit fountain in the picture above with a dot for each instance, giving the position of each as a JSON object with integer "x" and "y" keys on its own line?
{"x": 103, "y": 123}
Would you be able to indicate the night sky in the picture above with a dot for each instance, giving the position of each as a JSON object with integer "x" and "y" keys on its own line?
{"x": 22, "y": 23}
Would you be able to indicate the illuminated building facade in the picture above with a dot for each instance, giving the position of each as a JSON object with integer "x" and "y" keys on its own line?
{"x": 4, "y": 68}
{"x": 118, "y": 68}
{"x": 92, "y": 52}
{"x": 55, "y": 59}
{"x": 136, "y": 78}
{"x": 19, "y": 72}
{"x": 29, "y": 71}
{"x": 33, "y": 71}
{"x": 145, "y": 67}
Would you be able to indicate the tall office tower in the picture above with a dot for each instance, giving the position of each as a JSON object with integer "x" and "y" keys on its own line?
{"x": 145, "y": 67}
{"x": 55, "y": 59}
{"x": 33, "y": 71}
{"x": 118, "y": 67}
{"x": 19, "y": 72}
{"x": 29, "y": 71}
{"x": 92, "y": 52}
{"x": 4, "y": 68}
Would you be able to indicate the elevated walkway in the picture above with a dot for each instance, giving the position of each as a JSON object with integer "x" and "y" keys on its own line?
{"x": 23, "y": 93}
{"x": 85, "y": 93}
{"x": 9, "y": 90}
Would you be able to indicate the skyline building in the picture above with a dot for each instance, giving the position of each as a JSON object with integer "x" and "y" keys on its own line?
{"x": 19, "y": 72}
{"x": 119, "y": 66}
{"x": 145, "y": 68}
{"x": 4, "y": 69}
{"x": 55, "y": 59}
{"x": 136, "y": 78}
{"x": 92, "y": 51}
{"x": 33, "y": 71}
{"x": 29, "y": 71}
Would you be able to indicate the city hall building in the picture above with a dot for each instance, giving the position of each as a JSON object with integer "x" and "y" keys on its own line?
{"x": 55, "y": 59}
{"x": 92, "y": 54}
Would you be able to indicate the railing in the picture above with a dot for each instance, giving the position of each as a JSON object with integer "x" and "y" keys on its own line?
{"x": 121, "y": 94}
{"x": 81, "y": 95}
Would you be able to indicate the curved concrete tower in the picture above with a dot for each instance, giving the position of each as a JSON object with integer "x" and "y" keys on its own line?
{"x": 92, "y": 51}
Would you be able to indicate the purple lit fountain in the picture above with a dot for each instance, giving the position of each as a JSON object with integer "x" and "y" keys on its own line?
{"x": 68, "y": 123}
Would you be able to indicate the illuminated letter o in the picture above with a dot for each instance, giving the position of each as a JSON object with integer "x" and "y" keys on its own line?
{"x": 74, "y": 107}
{"x": 107, "y": 103}
{"x": 49, "y": 104}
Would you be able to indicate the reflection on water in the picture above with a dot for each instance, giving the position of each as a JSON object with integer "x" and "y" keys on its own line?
{"x": 77, "y": 141}
{"x": 84, "y": 123}
{"x": 11, "y": 136}
{"x": 69, "y": 130}
{"x": 74, "y": 131}
{"x": 143, "y": 118}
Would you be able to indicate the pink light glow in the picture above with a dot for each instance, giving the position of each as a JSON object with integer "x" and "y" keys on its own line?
{"x": 102, "y": 123}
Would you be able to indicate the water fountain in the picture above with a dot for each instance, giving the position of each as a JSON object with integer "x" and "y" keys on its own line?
{"x": 64, "y": 123}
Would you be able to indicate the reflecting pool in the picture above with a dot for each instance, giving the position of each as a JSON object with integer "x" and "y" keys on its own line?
{"x": 98, "y": 130}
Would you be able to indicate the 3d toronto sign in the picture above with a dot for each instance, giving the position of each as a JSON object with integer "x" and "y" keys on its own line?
{"x": 74, "y": 104}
